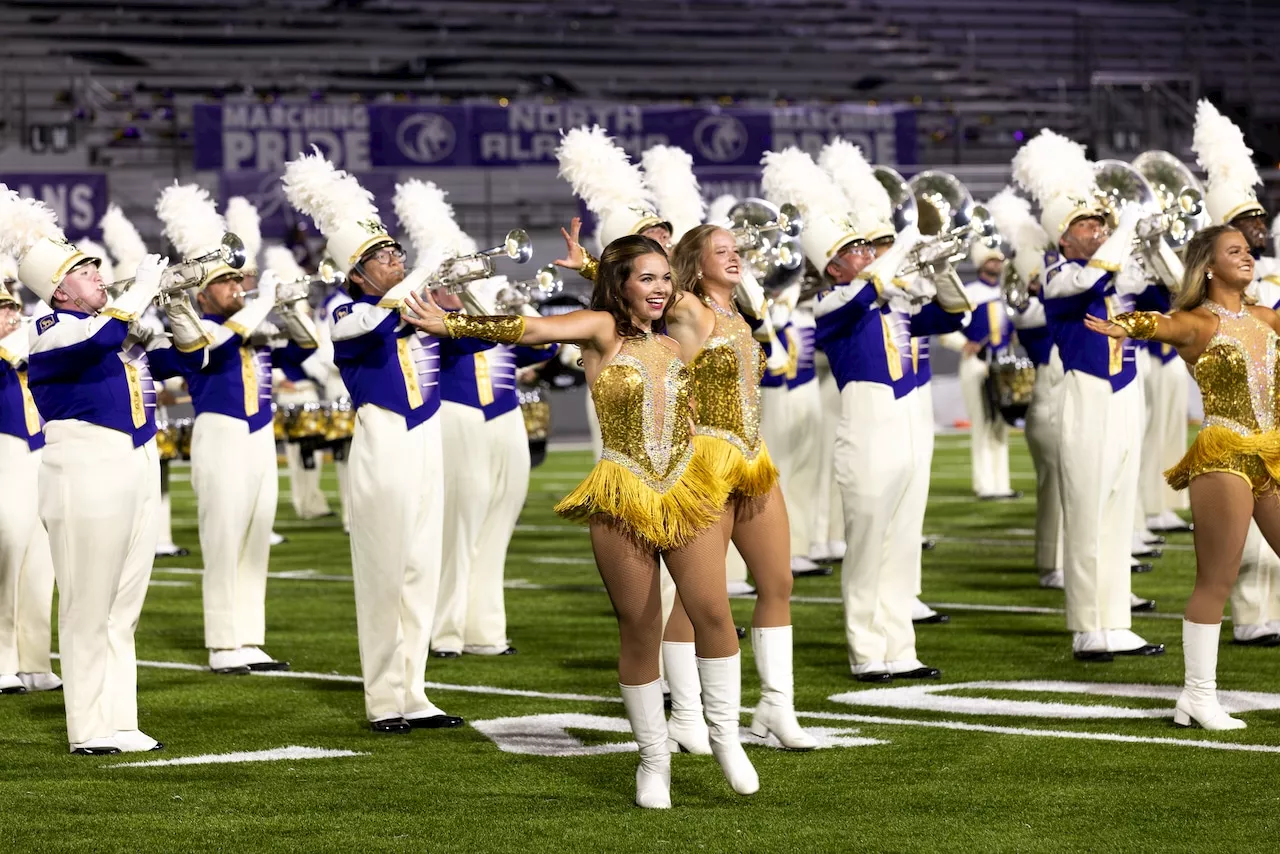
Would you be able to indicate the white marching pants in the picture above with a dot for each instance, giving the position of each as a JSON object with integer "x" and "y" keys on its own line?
{"x": 877, "y": 451}
{"x": 98, "y": 500}
{"x": 1098, "y": 440}
{"x": 344, "y": 492}
{"x": 26, "y": 569}
{"x": 1255, "y": 599}
{"x": 918, "y": 496}
{"x": 828, "y": 513}
{"x": 305, "y": 493}
{"x": 233, "y": 474}
{"x": 988, "y": 438}
{"x": 397, "y": 517}
{"x": 1165, "y": 439}
{"x": 486, "y": 479}
{"x": 164, "y": 516}
{"x": 789, "y": 422}
{"x": 1043, "y": 416}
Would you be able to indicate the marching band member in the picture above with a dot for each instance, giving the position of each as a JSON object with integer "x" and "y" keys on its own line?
{"x": 233, "y": 452}
{"x": 127, "y": 250}
{"x": 301, "y": 375}
{"x": 1230, "y": 199}
{"x": 89, "y": 375}
{"x": 826, "y": 538}
{"x": 650, "y": 495}
{"x": 1101, "y": 405}
{"x": 1012, "y": 216}
{"x": 988, "y": 334}
{"x": 847, "y": 166}
{"x": 26, "y": 569}
{"x": 396, "y": 461}
{"x": 486, "y": 470}
{"x": 1231, "y": 469}
{"x": 335, "y": 391}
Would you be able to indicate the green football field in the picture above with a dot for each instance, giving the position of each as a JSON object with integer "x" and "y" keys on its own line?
{"x": 1018, "y": 748}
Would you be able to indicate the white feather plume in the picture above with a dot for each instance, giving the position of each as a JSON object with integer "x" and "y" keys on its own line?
{"x": 428, "y": 219}
{"x": 1014, "y": 221}
{"x": 123, "y": 241}
{"x": 244, "y": 222}
{"x": 1221, "y": 150}
{"x": 23, "y": 222}
{"x": 792, "y": 176}
{"x": 600, "y": 172}
{"x": 330, "y": 196}
{"x": 845, "y": 163}
{"x": 718, "y": 210}
{"x": 279, "y": 260}
{"x": 1275, "y": 237}
{"x": 191, "y": 220}
{"x": 668, "y": 172}
{"x": 1050, "y": 165}
{"x": 8, "y": 268}
{"x": 96, "y": 250}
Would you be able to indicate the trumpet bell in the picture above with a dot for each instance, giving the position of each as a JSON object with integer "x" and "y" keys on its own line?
{"x": 231, "y": 251}
{"x": 790, "y": 220}
{"x": 766, "y": 236}
{"x": 517, "y": 246}
{"x": 1120, "y": 184}
{"x": 905, "y": 212}
{"x": 1178, "y": 193}
{"x": 943, "y": 203}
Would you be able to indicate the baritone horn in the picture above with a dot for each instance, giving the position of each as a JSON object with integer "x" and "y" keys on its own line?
{"x": 1178, "y": 195}
{"x": 191, "y": 272}
{"x": 766, "y": 236}
{"x": 950, "y": 222}
{"x": 455, "y": 273}
{"x": 900, "y": 195}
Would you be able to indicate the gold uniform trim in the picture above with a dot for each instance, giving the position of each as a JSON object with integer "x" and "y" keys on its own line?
{"x": 137, "y": 407}
{"x": 369, "y": 245}
{"x": 994, "y": 309}
{"x": 249, "y": 376}
{"x": 1115, "y": 346}
{"x": 407, "y": 371}
{"x": 236, "y": 328}
{"x": 7, "y": 356}
{"x": 1253, "y": 206}
{"x": 29, "y": 411}
{"x": 72, "y": 260}
{"x": 1103, "y": 265}
{"x": 113, "y": 312}
{"x": 484, "y": 379}
{"x": 891, "y": 352}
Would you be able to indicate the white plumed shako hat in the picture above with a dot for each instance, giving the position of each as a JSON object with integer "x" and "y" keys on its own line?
{"x": 342, "y": 209}
{"x": 1056, "y": 171}
{"x": 1226, "y": 158}
{"x": 872, "y": 207}
{"x": 29, "y": 231}
{"x": 611, "y": 186}
{"x": 792, "y": 177}
{"x": 193, "y": 225}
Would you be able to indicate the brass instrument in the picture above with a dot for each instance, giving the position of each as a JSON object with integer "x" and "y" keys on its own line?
{"x": 1178, "y": 195}
{"x": 766, "y": 235}
{"x": 1016, "y": 293}
{"x": 455, "y": 273}
{"x": 947, "y": 215}
{"x": 191, "y": 272}
{"x": 545, "y": 284}
{"x": 328, "y": 275}
{"x": 905, "y": 211}
{"x": 1170, "y": 216}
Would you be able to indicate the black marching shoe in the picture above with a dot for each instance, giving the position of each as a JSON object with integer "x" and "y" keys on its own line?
{"x": 1149, "y": 552}
{"x": 919, "y": 673}
{"x": 435, "y": 722}
{"x": 1099, "y": 655}
{"x": 1146, "y": 606}
{"x": 742, "y": 633}
{"x": 928, "y": 544}
{"x": 1012, "y": 495}
{"x": 445, "y": 653}
{"x": 1144, "y": 650}
{"x": 932, "y": 619}
{"x": 1141, "y": 566}
{"x": 880, "y": 677}
{"x": 1260, "y": 640}
{"x": 390, "y": 726}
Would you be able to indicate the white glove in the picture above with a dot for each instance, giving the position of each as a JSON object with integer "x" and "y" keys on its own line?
{"x": 1130, "y": 215}
{"x": 750, "y": 295}
{"x": 15, "y": 347}
{"x": 188, "y": 330}
{"x": 1119, "y": 246}
{"x": 130, "y": 305}
{"x": 249, "y": 318}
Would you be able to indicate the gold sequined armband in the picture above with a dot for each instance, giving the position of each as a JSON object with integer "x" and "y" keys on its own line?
{"x": 504, "y": 329}
{"x": 1138, "y": 324}
{"x": 590, "y": 266}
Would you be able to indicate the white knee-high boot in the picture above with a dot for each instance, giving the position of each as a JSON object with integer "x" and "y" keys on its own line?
{"x": 776, "y": 711}
{"x": 722, "y": 697}
{"x": 653, "y": 777}
{"x": 686, "y": 730}
{"x": 1199, "y": 699}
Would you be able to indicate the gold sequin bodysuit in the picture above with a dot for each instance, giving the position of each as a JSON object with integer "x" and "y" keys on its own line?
{"x": 726, "y": 382}
{"x": 1237, "y": 379}
{"x": 648, "y": 477}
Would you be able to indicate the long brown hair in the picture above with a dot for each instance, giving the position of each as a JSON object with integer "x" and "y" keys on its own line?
{"x": 686, "y": 258}
{"x": 1197, "y": 259}
{"x": 617, "y": 262}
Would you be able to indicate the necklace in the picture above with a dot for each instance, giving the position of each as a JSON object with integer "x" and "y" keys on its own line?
{"x": 718, "y": 309}
{"x": 1223, "y": 311}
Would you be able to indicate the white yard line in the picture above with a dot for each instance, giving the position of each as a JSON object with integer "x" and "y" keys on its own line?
{"x": 276, "y": 754}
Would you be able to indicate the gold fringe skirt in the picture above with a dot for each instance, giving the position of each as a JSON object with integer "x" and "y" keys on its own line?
{"x": 751, "y": 479}
{"x": 1255, "y": 458}
{"x": 665, "y": 519}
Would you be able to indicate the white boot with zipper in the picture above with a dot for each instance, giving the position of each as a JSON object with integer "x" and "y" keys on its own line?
{"x": 722, "y": 698}
{"x": 649, "y": 726}
{"x": 776, "y": 711}
{"x": 1198, "y": 702}
{"x": 686, "y": 728}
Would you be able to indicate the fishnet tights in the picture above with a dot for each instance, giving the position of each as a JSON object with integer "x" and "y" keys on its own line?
{"x": 629, "y": 569}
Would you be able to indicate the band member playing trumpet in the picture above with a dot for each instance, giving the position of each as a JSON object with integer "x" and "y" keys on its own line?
{"x": 26, "y": 569}
{"x": 90, "y": 377}
{"x": 650, "y": 495}
{"x": 1098, "y": 477}
{"x": 1232, "y": 468}
{"x": 396, "y": 460}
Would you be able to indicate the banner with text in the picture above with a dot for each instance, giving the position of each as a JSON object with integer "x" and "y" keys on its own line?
{"x": 357, "y": 137}
{"x": 265, "y": 191}
{"x": 78, "y": 198}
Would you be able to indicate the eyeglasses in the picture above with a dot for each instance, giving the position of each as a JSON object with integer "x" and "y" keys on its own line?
{"x": 857, "y": 249}
{"x": 387, "y": 254}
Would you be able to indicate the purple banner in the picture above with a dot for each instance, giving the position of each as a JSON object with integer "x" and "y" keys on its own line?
{"x": 265, "y": 191}
{"x": 262, "y": 137}
{"x": 78, "y": 198}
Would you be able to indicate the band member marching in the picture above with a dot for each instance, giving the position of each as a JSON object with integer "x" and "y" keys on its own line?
{"x": 99, "y": 484}
{"x": 396, "y": 463}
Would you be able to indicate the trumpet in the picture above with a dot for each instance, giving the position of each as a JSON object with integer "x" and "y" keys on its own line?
{"x": 1016, "y": 293}
{"x": 327, "y": 275}
{"x": 766, "y": 237}
{"x": 455, "y": 273}
{"x": 545, "y": 284}
{"x": 949, "y": 219}
{"x": 191, "y": 272}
